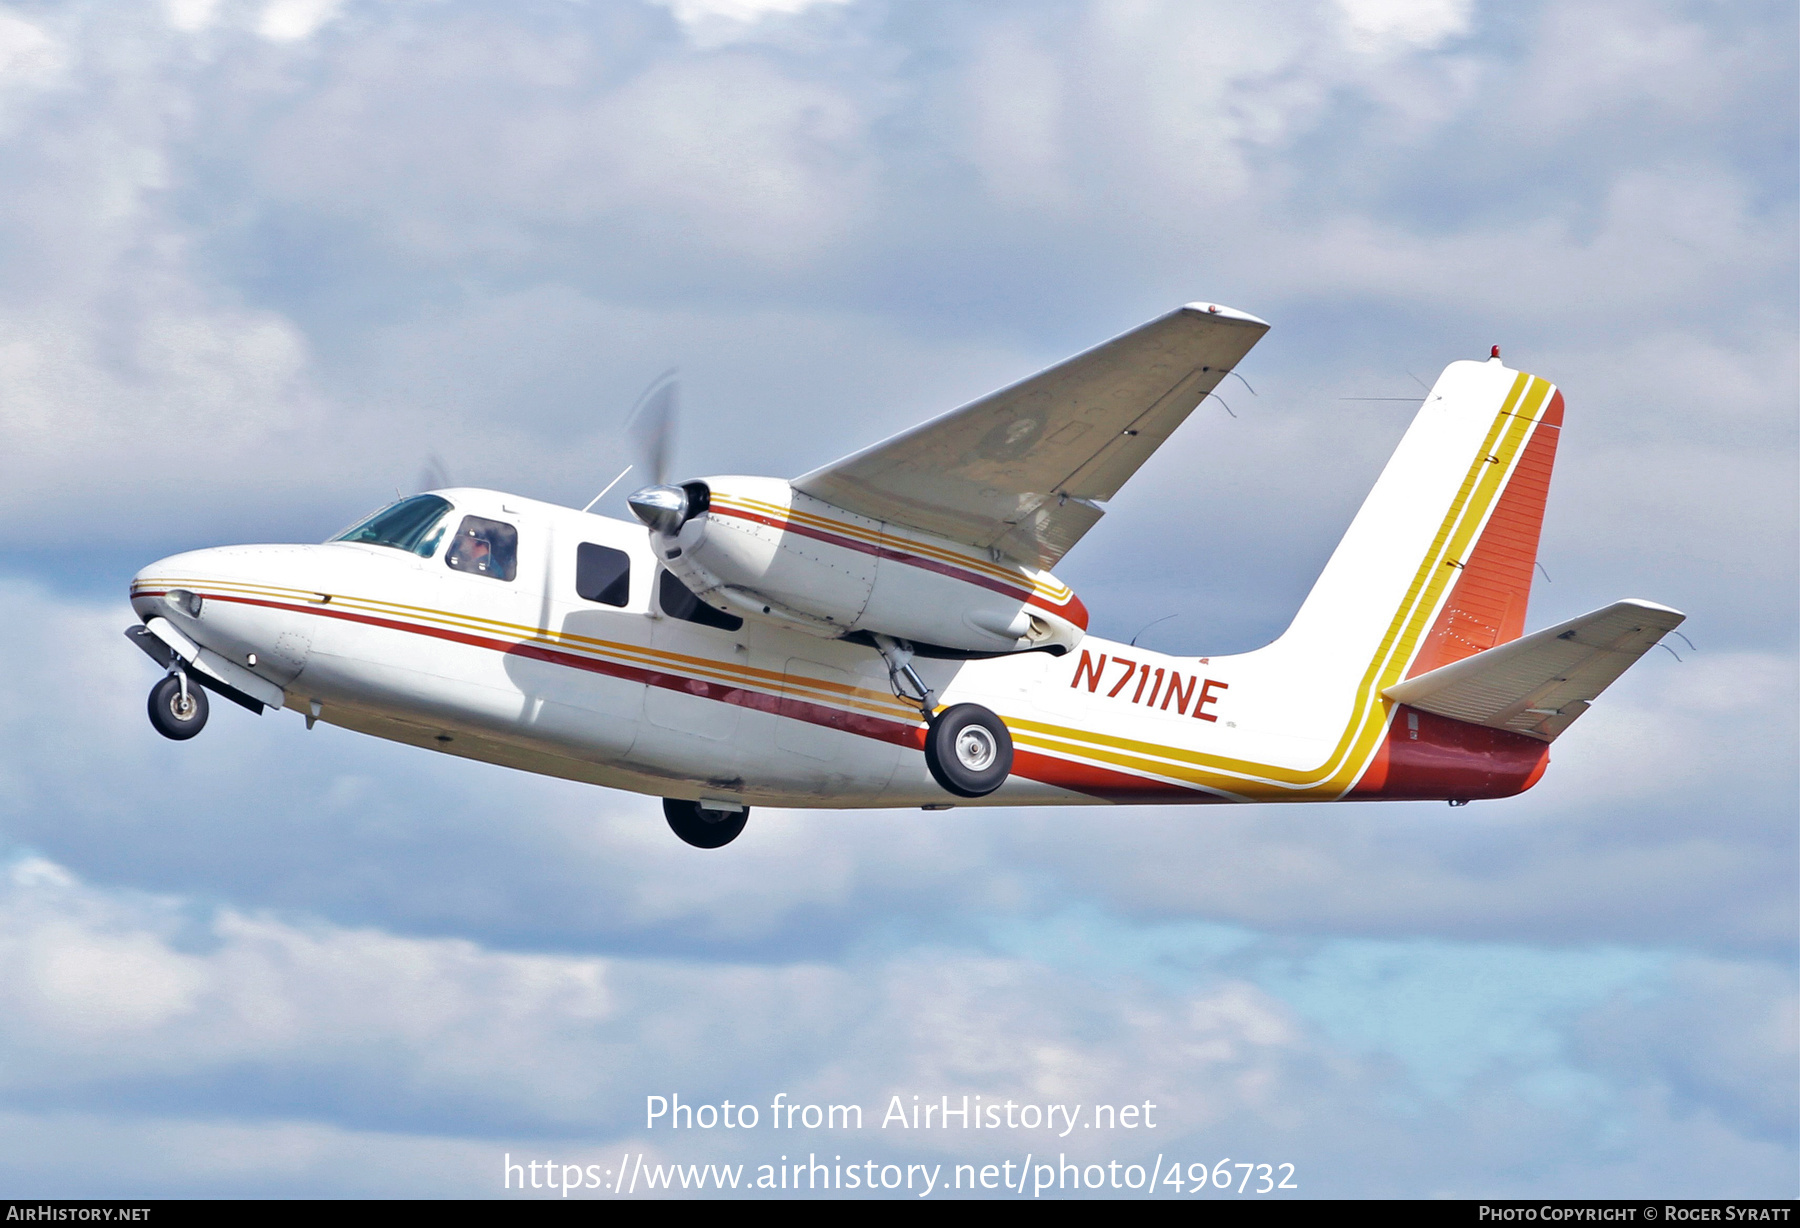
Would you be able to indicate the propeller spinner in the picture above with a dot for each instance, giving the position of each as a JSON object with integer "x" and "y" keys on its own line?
{"x": 663, "y": 508}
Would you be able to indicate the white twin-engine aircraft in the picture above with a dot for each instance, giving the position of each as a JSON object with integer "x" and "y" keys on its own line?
{"x": 885, "y": 631}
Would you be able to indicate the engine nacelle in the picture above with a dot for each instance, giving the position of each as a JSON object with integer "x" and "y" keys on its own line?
{"x": 757, "y": 548}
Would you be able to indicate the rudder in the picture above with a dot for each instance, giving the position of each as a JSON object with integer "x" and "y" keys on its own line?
{"x": 1487, "y": 603}
{"x": 1438, "y": 563}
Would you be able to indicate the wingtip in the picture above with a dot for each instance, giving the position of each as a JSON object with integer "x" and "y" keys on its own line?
{"x": 1656, "y": 607}
{"x": 1221, "y": 311}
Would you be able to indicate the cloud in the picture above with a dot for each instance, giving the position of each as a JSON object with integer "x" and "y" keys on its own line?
{"x": 30, "y": 58}
{"x": 693, "y": 12}
{"x": 1410, "y": 23}
{"x": 280, "y": 1043}
{"x": 290, "y": 20}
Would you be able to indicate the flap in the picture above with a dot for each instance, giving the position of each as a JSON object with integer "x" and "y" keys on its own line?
{"x": 1022, "y": 470}
{"x": 1539, "y": 684}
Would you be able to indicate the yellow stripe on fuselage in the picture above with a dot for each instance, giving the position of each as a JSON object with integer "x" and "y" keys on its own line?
{"x": 872, "y": 702}
{"x": 1218, "y": 775}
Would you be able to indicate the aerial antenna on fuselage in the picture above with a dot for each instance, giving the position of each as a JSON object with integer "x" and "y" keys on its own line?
{"x": 627, "y": 469}
{"x": 1165, "y": 618}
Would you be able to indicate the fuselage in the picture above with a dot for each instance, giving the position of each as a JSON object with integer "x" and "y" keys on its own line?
{"x": 614, "y": 688}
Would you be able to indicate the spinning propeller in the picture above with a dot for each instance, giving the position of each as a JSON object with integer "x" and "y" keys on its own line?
{"x": 433, "y": 474}
{"x": 662, "y": 507}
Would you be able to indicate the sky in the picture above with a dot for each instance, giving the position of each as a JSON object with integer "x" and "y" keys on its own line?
{"x": 264, "y": 262}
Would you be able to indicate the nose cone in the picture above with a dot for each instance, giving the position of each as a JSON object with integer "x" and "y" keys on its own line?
{"x": 663, "y": 508}
{"x": 166, "y": 587}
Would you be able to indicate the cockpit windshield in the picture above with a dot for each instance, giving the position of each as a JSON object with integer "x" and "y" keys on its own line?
{"x": 416, "y": 525}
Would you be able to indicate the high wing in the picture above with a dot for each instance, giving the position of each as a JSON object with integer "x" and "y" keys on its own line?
{"x": 1023, "y": 470}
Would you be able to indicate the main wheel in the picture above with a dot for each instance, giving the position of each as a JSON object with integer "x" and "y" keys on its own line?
{"x": 969, "y": 750}
{"x": 176, "y": 716}
{"x": 704, "y": 829}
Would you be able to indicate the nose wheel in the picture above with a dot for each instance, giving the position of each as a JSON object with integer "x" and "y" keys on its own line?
{"x": 704, "y": 829}
{"x": 177, "y": 707}
{"x": 969, "y": 750}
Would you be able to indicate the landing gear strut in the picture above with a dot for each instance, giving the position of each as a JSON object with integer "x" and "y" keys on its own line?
{"x": 703, "y": 828}
{"x": 897, "y": 656}
{"x": 177, "y": 707}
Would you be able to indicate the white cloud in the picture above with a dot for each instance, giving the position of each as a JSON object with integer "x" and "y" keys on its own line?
{"x": 693, "y": 12}
{"x": 192, "y": 16}
{"x": 333, "y": 1035}
{"x": 29, "y": 56}
{"x": 292, "y": 20}
{"x": 33, "y": 63}
{"x": 1422, "y": 24}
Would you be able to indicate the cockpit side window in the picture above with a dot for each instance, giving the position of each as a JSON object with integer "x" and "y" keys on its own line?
{"x": 415, "y": 525}
{"x": 678, "y": 601}
{"x": 602, "y": 574}
{"x": 484, "y": 548}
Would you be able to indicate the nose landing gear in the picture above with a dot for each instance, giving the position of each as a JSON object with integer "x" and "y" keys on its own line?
{"x": 703, "y": 828}
{"x": 177, "y": 707}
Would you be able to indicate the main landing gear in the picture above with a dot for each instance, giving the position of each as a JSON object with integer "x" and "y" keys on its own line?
{"x": 968, "y": 750}
{"x": 177, "y": 707}
{"x": 701, "y": 827}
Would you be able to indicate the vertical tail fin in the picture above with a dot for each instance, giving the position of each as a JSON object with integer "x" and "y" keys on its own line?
{"x": 1438, "y": 563}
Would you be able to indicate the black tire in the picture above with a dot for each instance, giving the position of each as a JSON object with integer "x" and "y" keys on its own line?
{"x": 171, "y": 717}
{"x": 969, "y": 750}
{"x": 704, "y": 829}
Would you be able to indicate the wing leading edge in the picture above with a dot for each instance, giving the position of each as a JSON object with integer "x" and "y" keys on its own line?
{"x": 1023, "y": 470}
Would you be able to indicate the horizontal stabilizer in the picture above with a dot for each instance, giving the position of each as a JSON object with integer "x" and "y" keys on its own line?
{"x": 1539, "y": 684}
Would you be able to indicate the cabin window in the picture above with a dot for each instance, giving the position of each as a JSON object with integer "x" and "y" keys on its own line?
{"x": 415, "y": 525}
{"x": 602, "y": 574}
{"x": 484, "y": 548}
{"x": 678, "y": 601}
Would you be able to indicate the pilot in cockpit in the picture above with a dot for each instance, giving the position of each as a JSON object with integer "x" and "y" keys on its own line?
{"x": 478, "y": 553}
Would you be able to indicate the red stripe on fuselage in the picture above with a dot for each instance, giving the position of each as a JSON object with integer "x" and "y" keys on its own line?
{"x": 1098, "y": 782}
{"x": 1450, "y": 758}
{"x": 1104, "y": 783}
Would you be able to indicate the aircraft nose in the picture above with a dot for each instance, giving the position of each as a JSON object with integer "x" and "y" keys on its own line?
{"x": 173, "y": 585}
{"x": 150, "y": 587}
